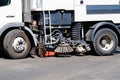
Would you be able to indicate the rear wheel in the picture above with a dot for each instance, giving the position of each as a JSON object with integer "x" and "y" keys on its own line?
{"x": 16, "y": 44}
{"x": 105, "y": 42}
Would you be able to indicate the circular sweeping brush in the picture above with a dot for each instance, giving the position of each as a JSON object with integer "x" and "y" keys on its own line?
{"x": 64, "y": 48}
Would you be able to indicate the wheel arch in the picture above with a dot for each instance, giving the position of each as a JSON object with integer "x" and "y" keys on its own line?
{"x": 92, "y": 31}
{"x": 11, "y": 26}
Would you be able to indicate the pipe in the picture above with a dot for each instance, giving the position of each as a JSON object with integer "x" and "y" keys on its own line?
{"x": 26, "y": 10}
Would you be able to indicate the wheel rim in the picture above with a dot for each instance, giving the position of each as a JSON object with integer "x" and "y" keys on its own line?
{"x": 19, "y": 44}
{"x": 106, "y": 42}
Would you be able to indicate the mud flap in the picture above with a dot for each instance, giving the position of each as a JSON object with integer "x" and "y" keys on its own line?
{"x": 41, "y": 50}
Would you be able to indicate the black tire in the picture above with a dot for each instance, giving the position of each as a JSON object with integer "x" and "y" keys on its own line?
{"x": 105, "y": 42}
{"x": 16, "y": 44}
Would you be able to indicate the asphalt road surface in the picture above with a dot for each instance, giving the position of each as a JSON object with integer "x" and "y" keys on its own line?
{"x": 61, "y": 68}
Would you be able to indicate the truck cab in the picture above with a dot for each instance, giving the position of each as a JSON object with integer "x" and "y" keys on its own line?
{"x": 11, "y": 12}
{"x": 15, "y": 37}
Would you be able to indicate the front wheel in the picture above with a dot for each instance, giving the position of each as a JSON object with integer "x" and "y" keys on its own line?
{"x": 16, "y": 44}
{"x": 105, "y": 42}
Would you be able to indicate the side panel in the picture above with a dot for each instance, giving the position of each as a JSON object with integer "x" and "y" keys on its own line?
{"x": 97, "y": 2}
{"x": 37, "y": 5}
{"x": 11, "y": 13}
{"x": 97, "y": 10}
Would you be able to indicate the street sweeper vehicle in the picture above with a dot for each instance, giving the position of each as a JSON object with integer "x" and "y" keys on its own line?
{"x": 63, "y": 26}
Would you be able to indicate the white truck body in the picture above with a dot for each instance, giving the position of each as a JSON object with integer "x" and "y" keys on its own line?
{"x": 90, "y": 10}
{"x": 39, "y": 5}
{"x": 97, "y": 10}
